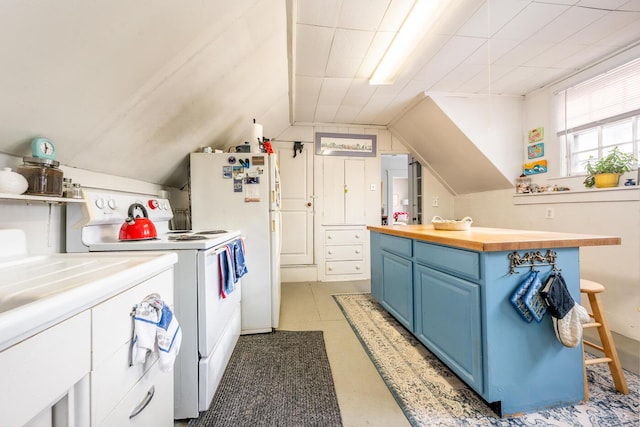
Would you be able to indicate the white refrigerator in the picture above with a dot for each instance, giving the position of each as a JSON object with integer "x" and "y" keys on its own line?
{"x": 241, "y": 191}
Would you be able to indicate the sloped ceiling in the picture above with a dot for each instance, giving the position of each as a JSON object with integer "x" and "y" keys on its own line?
{"x": 451, "y": 154}
{"x": 131, "y": 88}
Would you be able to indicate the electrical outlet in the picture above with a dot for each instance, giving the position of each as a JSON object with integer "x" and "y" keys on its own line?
{"x": 372, "y": 187}
{"x": 435, "y": 201}
{"x": 549, "y": 213}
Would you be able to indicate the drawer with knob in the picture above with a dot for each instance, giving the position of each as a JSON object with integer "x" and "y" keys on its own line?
{"x": 345, "y": 252}
{"x": 343, "y": 267}
{"x": 337, "y": 237}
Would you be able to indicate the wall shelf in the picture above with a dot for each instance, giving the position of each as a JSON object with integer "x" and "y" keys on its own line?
{"x": 44, "y": 199}
{"x": 615, "y": 194}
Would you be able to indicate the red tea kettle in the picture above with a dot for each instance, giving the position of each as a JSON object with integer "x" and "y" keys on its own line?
{"x": 136, "y": 227}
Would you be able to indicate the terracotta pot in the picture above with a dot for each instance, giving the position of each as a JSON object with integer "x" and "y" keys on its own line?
{"x": 607, "y": 180}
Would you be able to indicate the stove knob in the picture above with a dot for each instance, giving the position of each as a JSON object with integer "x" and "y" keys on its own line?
{"x": 100, "y": 203}
{"x": 112, "y": 203}
{"x": 153, "y": 203}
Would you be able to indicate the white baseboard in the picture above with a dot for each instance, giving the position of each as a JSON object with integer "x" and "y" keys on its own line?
{"x": 298, "y": 273}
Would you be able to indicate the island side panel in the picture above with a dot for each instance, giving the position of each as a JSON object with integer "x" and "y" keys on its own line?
{"x": 526, "y": 367}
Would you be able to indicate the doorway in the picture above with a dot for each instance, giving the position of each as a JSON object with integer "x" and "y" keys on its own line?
{"x": 395, "y": 184}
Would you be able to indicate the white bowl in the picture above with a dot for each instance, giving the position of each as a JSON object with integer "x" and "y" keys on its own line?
{"x": 12, "y": 182}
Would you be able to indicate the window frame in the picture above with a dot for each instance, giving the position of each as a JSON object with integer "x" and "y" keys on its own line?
{"x": 569, "y": 153}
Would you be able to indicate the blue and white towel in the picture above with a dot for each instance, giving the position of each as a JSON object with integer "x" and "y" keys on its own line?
{"x": 232, "y": 266}
{"x": 238, "y": 258}
{"x": 227, "y": 272}
{"x": 155, "y": 327}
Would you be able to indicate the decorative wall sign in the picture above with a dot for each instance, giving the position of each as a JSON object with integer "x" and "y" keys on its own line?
{"x": 536, "y": 150}
{"x": 345, "y": 144}
{"x": 533, "y": 168}
{"x": 536, "y": 135}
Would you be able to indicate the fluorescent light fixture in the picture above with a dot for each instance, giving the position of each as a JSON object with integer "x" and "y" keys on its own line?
{"x": 415, "y": 26}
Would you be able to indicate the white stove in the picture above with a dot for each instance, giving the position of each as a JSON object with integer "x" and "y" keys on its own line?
{"x": 210, "y": 323}
{"x": 95, "y": 227}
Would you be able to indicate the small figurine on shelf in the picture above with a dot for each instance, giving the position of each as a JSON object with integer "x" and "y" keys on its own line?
{"x": 522, "y": 184}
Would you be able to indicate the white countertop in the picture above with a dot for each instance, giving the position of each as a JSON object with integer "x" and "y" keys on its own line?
{"x": 37, "y": 292}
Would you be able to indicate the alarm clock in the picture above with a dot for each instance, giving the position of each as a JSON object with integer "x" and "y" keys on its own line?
{"x": 43, "y": 148}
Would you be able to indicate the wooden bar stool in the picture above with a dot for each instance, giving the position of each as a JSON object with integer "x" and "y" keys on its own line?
{"x": 592, "y": 289}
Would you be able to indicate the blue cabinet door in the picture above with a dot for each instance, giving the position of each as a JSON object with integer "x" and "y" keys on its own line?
{"x": 376, "y": 266}
{"x": 448, "y": 322}
{"x": 397, "y": 287}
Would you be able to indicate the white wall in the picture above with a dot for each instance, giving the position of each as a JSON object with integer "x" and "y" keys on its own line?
{"x": 613, "y": 212}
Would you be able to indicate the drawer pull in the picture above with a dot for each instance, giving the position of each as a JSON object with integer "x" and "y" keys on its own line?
{"x": 328, "y": 236}
{"x": 357, "y": 236}
{"x": 330, "y": 268}
{"x": 357, "y": 251}
{"x": 330, "y": 252}
{"x": 144, "y": 403}
{"x": 357, "y": 267}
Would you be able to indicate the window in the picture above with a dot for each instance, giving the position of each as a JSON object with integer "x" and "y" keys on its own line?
{"x": 599, "y": 114}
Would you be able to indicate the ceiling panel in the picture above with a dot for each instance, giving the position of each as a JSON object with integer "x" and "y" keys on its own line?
{"x": 347, "y": 52}
{"x": 313, "y": 45}
{"x": 477, "y": 46}
{"x": 362, "y": 14}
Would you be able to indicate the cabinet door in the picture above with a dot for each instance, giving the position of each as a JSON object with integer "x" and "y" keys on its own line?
{"x": 376, "y": 266}
{"x": 397, "y": 288}
{"x": 354, "y": 191}
{"x": 333, "y": 190}
{"x": 448, "y": 322}
{"x": 343, "y": 191}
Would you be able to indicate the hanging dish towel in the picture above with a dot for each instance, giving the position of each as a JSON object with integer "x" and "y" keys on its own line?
{"x": 568, "y": 316}
{"x": 238, "y": 258}
{"x": 517, "y": 299}
{"x": 155, "y": 327}
{"x": 227, "y": 272}
{"x": 169, "y": 337}
{"x": 145, "y": 323}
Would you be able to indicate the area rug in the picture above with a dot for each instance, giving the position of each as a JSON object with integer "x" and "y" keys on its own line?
{"x": 277, "y": 379}
{"x": 432, "y": 395}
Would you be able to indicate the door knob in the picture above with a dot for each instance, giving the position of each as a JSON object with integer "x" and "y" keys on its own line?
{"x": 308, "y": 204}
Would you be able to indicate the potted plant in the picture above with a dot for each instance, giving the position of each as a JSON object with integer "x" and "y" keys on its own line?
{"x": 605, "y": 172}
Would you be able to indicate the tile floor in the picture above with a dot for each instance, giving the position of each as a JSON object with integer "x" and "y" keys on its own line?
{"x": 363, "y": 397}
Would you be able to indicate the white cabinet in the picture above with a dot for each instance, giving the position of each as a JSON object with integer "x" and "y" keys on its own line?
{"x": 344, "y": 253}
{"x": 343, "y": 191}
{"x": 118, "y": 390}
{"x": 40, "y": 371}
{"x": 77, "y": 372}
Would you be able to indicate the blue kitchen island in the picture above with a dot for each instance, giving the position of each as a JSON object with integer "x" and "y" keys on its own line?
{"x": 452, "y": 289}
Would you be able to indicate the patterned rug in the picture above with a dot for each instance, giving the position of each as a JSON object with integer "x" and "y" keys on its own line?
{"x": 431, "y": 395}
{"x": 278, "y": 379}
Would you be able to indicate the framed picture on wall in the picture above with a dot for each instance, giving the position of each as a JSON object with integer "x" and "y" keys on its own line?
{"x": 345, "y": 144}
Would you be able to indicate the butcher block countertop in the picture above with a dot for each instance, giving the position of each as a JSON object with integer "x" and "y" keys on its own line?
{"x": 483, "y": 239}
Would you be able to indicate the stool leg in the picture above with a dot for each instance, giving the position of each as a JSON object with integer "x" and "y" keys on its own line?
{"x": 586, "y": 383}
{"x": 607, "y": 343}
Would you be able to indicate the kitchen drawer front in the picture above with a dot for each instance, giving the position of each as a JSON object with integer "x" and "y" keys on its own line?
{"x": 344, "y": 236}
{"x": 159, "y": 410}
{"x": 459, "y": 262}
{"x": 113, "y": 379}
{"x": 343, "y": 267}
{"x": 397, "y": 245}
{"x": 36, "y": 372}
{"x": 112, "y": 322}
{"x": 346, "y": 252}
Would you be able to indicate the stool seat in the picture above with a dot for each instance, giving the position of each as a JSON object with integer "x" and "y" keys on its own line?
{"x": 592, "y": 290}
{"x": 590, "y": 287}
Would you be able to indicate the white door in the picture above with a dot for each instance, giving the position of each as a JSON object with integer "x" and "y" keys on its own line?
{"x": 296, "y": 175}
